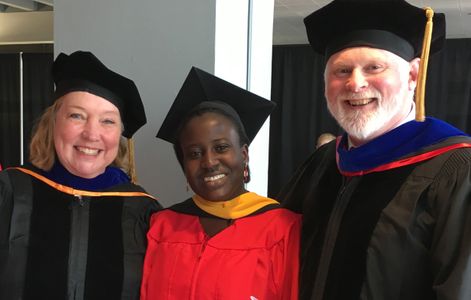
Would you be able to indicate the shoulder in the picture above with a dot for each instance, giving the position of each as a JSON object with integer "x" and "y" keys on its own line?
{"x": 14, "y": 177}
{"x": 131, "y": 190}
{"x": 323, "y": 156}
{"x": 445, "y": 158}
{"x": 5, "y": 187}
{"x": 453, "y": 169}
{"x": 267, "y": 229}
{"x": 14, "y": 183}
{"x": 4, "y": 178}
{"x": 320, "y": 164}
{"x": 166, "y": 223}
{"x": 282, "y": 214}
{"x": 167, "y": 214}
{"x": 170, "y": 216}
{"x": 274, "y": 219}
{"x": 447, "y": 178}
{"x": 136, "y": 196}
{"x": 127, "y": 187}
{"x": 450, "y": 163}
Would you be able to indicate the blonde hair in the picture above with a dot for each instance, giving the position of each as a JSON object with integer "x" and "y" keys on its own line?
{"x": 42, "y": 153}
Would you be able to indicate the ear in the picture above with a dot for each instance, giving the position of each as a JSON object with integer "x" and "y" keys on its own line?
{"x": 245, "y": 153}
{"x": 413, "y": 73}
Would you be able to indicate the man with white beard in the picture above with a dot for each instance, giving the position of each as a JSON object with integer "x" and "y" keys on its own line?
{"x": 386, "y": 207}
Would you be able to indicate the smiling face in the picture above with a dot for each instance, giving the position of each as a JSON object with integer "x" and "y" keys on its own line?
{"x": 369, "y": 91}
{"x": 87, "y": 131}
{"x": 213, "y": 159}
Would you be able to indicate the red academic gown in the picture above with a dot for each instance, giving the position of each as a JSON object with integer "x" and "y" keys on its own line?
{"x": 256, "y": 257}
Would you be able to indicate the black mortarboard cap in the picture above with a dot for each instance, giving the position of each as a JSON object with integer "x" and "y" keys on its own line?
{"x": 392, "y": 25}
{"x": 82, "y": 71}
{"x": 200, "y": 86}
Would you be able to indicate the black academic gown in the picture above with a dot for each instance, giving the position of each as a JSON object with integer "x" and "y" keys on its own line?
{"x": 57, "y": 243}
{"x": 399, "y": 234}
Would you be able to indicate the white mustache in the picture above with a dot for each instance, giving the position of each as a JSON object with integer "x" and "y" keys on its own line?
{"x": 362, "y": 95}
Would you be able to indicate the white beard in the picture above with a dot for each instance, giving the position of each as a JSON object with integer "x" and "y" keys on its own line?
{"x": 363, "y": 125}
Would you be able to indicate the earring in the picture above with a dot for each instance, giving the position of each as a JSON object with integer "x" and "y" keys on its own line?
{"x": 246, "y": 172}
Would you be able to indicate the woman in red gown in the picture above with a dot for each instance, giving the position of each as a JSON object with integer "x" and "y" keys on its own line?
{"x": 224, "y": 242}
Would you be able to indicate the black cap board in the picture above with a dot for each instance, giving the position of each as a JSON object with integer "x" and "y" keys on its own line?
{"x": 392, "y": 25}
{"x": 201, "y": 86}
{"x": 82, "y": 71}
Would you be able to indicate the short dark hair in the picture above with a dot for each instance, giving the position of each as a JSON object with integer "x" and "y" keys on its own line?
{"x": 201, "y": 110}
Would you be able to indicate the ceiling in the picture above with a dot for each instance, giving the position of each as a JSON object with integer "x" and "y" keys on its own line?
{"x": 26, "y": 5}
{"x": 288, "y": 26}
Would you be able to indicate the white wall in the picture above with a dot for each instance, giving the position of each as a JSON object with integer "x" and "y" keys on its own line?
{"x": 243, "y": 57}
{"x": 153, "y": 42}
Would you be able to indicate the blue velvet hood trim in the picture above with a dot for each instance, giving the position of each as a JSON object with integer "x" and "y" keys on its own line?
{"x": 111, "y": 177}
{"x": 400, "y": 142}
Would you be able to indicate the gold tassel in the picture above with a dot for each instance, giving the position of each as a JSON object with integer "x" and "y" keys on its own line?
{"x": 132, "y": 164}
{"x": 422, "y": 76}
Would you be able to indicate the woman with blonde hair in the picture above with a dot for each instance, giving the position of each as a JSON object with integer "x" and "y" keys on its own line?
{"x": 72, "y": 223}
